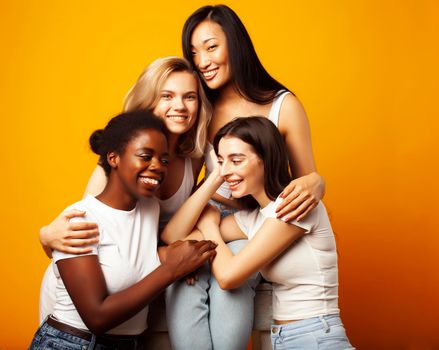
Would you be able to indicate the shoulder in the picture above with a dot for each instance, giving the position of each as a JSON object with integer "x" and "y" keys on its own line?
{"x": 87, "y": 204}
{"x": 292, "y": 113}
{"x": 308, "y": 223}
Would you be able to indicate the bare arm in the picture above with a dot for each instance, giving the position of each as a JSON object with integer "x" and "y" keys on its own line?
{"x": 96, "y": 183}
{"x": 69, "y": 237}
{"x": 308, "y": 188}
{"x": 269, "y": 242}
{"x": 73, "y": 238}
{"x": 184, "y": 220}
{"x": 85, "y": 283}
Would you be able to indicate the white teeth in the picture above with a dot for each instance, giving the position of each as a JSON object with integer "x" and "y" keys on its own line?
{"x": 210, "y": 73}
{"x": 234, "y": 183}
{"x": 150, "y": 181}
{"x": 178, "y": 117}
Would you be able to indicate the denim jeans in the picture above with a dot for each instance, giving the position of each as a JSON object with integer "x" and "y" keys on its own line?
{"x": 206, "y": 317}
{"x": 316, "y": 333}
{"x": 48, "y": 338}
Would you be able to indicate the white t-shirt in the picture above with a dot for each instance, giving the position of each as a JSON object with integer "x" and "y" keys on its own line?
{"x": 127, "y": 252}
{"x": 305, "y": 276}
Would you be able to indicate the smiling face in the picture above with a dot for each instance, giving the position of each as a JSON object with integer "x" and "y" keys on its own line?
{"x": 241, "y": 168}
{"x": 210, "y": 54}
{"x": 142, "y": 166}
{"x": 178, "y": 102}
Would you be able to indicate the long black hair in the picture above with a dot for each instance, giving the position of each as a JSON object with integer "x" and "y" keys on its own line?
{"x": 119, "y": 131}
{"x": 251, "y": 79}
{"x": 268, "y": 144}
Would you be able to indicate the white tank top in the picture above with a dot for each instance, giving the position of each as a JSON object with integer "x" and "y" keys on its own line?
{"x": 169, "y": 206}
{"x": 209, "y": 154}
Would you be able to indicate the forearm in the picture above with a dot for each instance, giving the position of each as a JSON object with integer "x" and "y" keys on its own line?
{"x": 116, "y": 308}
{"x": 184, "y": 220}
{"x": 46, "y": 248}
{"x": 224, "y": 266}
{"x": 195, "y": 235}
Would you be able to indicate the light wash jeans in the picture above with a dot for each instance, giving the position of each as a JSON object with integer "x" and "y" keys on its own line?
{"x": 205, "y": 317}
{"x": 316, "y": 333}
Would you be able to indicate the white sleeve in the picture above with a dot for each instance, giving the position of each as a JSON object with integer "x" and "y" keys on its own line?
{"x": 307, "y": 223}
{"x": 57, "y": 255}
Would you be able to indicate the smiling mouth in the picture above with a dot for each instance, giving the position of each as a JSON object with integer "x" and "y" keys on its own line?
{"x": 177, "y": 118}
{"x": 150, "y": 181}
{"x": 210, "y": 74}
{"x": 234, "y": 184}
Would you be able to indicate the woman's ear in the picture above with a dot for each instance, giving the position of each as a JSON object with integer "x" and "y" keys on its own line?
{"x": 113, "y": 159}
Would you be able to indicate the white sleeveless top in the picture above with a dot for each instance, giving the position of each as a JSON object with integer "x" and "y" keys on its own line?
{"x": 169, "y": 206}
{"x": 209, "y": 153}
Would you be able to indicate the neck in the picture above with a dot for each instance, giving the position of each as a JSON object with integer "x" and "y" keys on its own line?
{"x": 262, "y": 198}
{"x": 116, "y": 196}
{"x": 229, "y": 93}
{"x": 172, "y": 144}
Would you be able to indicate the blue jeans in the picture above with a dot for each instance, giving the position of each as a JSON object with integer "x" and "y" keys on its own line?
{"x": 48, "y": 338}
{"x": 205, "y": 317}
{"x": 316, "y": 333}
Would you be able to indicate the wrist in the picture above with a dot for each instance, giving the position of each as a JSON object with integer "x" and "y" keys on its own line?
{"x": 168, "y": 273}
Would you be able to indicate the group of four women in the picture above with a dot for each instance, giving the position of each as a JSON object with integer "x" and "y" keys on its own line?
{"x": 261, "y": 195}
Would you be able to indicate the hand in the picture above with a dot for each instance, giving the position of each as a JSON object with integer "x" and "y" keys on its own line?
{"x": 209, "y": 216}
{"x": 300, "y": 197}
{"x": 191, "y": 278}
{"x": 70, "y": 237}
{"x": 183, "y": 257}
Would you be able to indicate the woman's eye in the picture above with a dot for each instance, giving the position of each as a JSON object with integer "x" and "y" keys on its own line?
{"x": 193, "y": 53}
{"x": 166, "y": 97}
{"x": 220, "y": 162}
{"x": 191, "y": 97}
{"x": 146, "y": 157}
{"x": 164, "y": 161}
{"x": 236, "y": 161}
{"x": 211, "y": 47}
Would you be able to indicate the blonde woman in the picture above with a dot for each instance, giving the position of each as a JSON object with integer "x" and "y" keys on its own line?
{"x": 172, "y": 90}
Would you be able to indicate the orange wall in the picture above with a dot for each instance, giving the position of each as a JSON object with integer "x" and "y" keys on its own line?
{"x": 365, "y": 71}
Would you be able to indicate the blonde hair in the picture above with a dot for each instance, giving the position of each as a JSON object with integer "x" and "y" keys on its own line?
{"x": 145, "y": 94}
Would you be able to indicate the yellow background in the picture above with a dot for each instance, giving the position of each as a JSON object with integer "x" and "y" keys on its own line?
{"x": 367, "y": 73}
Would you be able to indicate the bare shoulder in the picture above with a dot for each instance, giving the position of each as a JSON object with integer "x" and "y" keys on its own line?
{"x": 292, "y": 113}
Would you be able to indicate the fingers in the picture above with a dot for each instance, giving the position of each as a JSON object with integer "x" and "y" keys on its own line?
{"x": 287, "y": 190}
{"x": 301, "y": 211}
{"x": 290, "y": 204}
{"x": 311, "y": 207}
{"x": 204, "y": 246}
{"x": 289, "y": 199}
{"x": 72, "y": 214}
{"x": 209, "y": 255}
{"x": 74, "y": 250}
{"x": 83, "y": 226}
{"x": 79, "y": 242}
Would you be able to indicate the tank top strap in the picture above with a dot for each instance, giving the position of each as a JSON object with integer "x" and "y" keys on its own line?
{"x": 188, "y": 172}
{"x": 276, "y": 105}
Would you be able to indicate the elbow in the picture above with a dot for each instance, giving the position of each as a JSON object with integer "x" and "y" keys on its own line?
{"x": 98, "y": 324}
{"x": 228, "y": 282}
{"x": 165, "y": 237}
